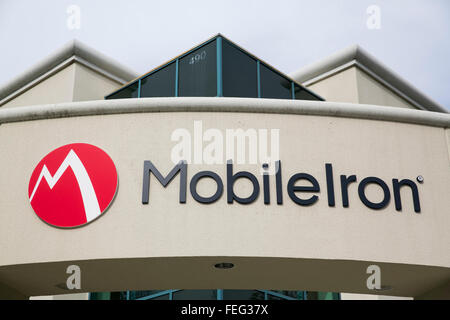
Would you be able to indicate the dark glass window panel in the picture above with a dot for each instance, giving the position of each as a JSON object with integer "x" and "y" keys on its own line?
{"x": 115, "y": 296}
{"x": 195, "y": 295}
{"x": 212, "y": 295}
{"x": 141, "y": 294}
{"x": 160, "y": 83}
{"x": 302, "y": 94}
{"x": 123, "y": 295}
{"x": 130, "y": 91}
{"x": 100, "y": 296}
{"x": 198, "y": 72}
{"x": 273, "y": 85}
{"x": 271, "y": 297}
{"x": 327, "y": 296}
{"x": 290, "y": 293}
{"x": 243, "y": 295}
{"x": 239, "y": 73}
{"x": 312, "y": 295}
{"x": 137, "y": 294}
{"x": 163, "y": 297}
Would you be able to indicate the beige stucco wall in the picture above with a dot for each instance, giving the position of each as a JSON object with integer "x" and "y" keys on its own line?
{"x": 170, "y": 245}
{"x": 57, "y": 88}
{"x": 371, "y": 91}
{"x": 91, "y": 85}
{"x": 340, "y": 87}
{"x": 447, "y": 131}
{"x": 354, "y": 85}
{"x": 75, "y": 82}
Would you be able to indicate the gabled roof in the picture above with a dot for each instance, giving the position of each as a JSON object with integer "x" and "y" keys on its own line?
{"x": 356, "y": 56}
{"x": 73, "y": 51}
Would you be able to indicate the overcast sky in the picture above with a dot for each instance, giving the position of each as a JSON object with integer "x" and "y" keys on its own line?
{"x": 413, "y": 39}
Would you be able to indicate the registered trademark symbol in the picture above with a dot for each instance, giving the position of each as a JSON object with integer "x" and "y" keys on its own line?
{"x": 419, "y": 179}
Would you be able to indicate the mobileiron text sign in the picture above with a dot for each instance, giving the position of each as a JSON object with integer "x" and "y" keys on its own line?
{"x": 303, "y": 195}
{"x": 76, "y": 183}
{"x": 73, "y": 185}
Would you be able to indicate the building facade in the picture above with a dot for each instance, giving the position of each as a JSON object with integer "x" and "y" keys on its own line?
{"x": 361, "y": 179}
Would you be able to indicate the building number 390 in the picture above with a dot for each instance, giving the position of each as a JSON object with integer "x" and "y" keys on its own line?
{"x": 198, "y": 57}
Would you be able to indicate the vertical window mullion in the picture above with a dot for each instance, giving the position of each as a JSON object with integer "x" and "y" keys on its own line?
{"x": 258, "y": 75}
{"x": 219, "y": 67}
{"x": 293, "y": 90}
{"x": 176, "y": 78}
{"x": 139, "y": 89}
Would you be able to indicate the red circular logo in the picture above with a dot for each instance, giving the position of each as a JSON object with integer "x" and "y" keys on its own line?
{"x": 73, "y": 185}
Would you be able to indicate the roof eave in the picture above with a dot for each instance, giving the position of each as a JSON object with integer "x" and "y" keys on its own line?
{"x": 362, "y": 58}
{"x": 72, "y": 50}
